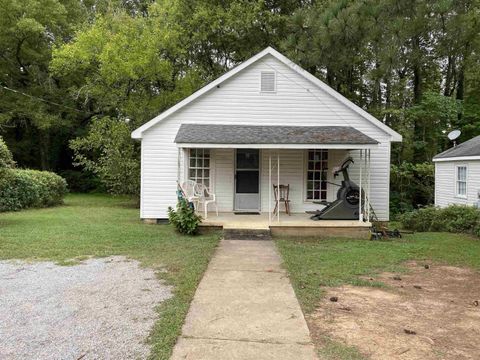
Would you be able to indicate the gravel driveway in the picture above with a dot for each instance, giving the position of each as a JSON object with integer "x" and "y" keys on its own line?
{"x": 100, "y": 309}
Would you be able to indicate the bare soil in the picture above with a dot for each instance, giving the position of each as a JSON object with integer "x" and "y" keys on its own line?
{"x": 427, "y": 313}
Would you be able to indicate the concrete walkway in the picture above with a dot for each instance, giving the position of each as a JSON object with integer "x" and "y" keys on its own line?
{"x": 245, "y": 308}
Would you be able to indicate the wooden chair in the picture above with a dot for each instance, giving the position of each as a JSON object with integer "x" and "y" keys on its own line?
{"x": 281, "y": 193}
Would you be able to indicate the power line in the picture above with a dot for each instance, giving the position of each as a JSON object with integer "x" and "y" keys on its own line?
{"x": 43, "y": 100}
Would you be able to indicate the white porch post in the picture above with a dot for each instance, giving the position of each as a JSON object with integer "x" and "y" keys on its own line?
{"x": 369, "y": 184}
{"x": 178, "y": 164}
{"x": 278, "y": 184}
{"x": 365, "y": 202}
{"x": 360, "y": 190}
{"x": 269, "y": 186}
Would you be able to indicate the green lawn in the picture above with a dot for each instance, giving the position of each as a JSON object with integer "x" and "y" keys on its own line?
{"x": 101, "y": 225}
{"x": 313, "y": 264}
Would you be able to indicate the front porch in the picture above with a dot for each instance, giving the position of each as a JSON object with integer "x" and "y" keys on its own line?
{"x": 294, "y": 225}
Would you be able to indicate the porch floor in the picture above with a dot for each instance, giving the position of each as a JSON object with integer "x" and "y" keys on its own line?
{"x": 229, "y": 220}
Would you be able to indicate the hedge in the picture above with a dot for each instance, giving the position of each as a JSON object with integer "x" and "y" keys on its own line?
{"x": 454, "y": 218}
{"x": 21, "y": 189}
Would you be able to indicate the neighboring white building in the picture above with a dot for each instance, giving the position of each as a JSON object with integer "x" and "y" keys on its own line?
{"x": 457, "y": 174}
{"x": 267, "y": 109}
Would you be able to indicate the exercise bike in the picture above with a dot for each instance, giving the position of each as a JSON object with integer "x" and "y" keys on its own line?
{"x": 346, "y": 206}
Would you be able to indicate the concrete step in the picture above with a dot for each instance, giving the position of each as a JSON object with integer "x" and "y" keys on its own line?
{"x": 246, "y": 234}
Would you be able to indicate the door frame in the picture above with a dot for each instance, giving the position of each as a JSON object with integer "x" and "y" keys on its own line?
{"x": 259, "y": 182}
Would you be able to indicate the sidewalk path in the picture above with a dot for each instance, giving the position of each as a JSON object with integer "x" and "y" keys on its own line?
{"x": 245, "y": 308}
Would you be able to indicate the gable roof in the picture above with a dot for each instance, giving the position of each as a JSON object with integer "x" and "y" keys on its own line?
{"x": 263, "y": 134}
{"x": 468, "y": 149}
{"x": 137, "y": 134}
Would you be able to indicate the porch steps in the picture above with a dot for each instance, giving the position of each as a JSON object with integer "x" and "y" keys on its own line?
{"x": 246, "y": 234}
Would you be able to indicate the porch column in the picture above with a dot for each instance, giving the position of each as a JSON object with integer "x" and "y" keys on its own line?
{"x": 269, "y": 186}
{"x": 360, "y": 189}
{"x": 180, "y": 150}
{"x": 369, "y": 184}
{"x": 278, "y": 184}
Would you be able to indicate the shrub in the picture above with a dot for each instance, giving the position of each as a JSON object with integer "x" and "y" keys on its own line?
{"x": 412, "y": 186}
{"x": 21, "y": 189}
{"x": 82, "y": 181}
{"x": 6, "y": 159}
{"x": 108, "y": 151}
{"x": 184, "y": 218}
{"x": 454, "y": 218}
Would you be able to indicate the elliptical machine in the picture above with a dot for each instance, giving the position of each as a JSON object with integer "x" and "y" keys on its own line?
{"x": 345, "y": 207}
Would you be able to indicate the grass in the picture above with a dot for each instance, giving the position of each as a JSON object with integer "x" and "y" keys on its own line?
{"x": 313, "y": 265}
{"x": 101, "y": 225}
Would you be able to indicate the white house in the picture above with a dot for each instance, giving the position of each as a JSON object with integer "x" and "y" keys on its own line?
{"x": 457, "y": 174}
{"x": 267, "y": 121}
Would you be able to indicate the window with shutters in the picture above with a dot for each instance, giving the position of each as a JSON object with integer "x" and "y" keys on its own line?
{"x": 267, "y": 81}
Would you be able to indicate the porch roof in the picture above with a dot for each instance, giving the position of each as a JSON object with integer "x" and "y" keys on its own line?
{"x": 345, "y": 137}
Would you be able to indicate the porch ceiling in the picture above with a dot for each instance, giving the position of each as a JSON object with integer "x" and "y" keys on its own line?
{"x": 345, "y": 137}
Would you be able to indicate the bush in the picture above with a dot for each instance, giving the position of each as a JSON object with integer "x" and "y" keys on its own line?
{"x": 82, "y": 181}
{"x": 21, "y": 189}
{"x": 184, "y": 218}
{"x": 6, "y": 159}
{"x": 412, "y": 186}
{"x": 454, "y": 218}
{"x": 108, "y": 151}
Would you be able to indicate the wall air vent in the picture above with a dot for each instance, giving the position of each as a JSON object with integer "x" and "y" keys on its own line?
{"x": 267, "y": 81}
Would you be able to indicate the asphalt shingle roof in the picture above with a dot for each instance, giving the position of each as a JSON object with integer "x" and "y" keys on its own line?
{"x": 468, "y": 148}
{"x": 252, "y": 134}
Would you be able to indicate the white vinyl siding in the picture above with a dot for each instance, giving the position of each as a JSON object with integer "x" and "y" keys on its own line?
{"x": 446, "y": 182}
{"x": 296, "y": 102}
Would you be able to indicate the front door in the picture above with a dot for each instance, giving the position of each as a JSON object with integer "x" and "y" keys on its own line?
{"x": 247, "y": 180}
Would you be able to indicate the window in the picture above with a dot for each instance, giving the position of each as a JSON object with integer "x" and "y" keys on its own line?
{"x": 461, "y": 181}
{"x": 199, "y": 167}
{"x": 317, "y": 166}
{"x": 267, "y": 81}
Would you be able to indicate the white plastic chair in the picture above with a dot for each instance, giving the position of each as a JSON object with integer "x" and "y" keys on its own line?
{"x": 188, "y": 188}
{"x": 205, "y": 197}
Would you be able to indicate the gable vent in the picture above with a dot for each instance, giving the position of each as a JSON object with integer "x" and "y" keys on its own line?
{"x": 267, "y": 81}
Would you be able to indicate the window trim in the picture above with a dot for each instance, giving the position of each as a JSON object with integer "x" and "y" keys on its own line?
{"x": 274, "y": 82}
{"x": 188, "y": 167}
{"x": 457, "y": 195}
{"x": 305, "y": 176}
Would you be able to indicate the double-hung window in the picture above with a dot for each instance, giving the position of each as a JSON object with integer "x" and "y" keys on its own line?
{"x": 317, "y": 167}
{"x": 461, "y": 181}
{"x": 199, "y": 166}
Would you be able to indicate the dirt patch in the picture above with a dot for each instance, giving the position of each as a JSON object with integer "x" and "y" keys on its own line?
{"x": 429, "y": 313}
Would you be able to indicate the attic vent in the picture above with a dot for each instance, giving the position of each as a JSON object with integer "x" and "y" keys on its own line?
{"x": 267, "y": 81}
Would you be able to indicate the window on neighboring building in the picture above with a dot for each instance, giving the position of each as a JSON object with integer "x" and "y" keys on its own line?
{"x": 462, "y": 181}
{"x": 199, "y": 166}
{"x": 317, "y": 166}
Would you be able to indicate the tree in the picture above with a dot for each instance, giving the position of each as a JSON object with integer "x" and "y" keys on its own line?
{"x": 108, "y": 152}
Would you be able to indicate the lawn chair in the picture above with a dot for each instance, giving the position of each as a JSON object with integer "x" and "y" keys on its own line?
{"x": 188, "y": 189}
{"x": 205, "y": 197}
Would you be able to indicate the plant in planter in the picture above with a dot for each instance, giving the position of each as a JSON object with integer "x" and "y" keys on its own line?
{"x": 184, "y": 218}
